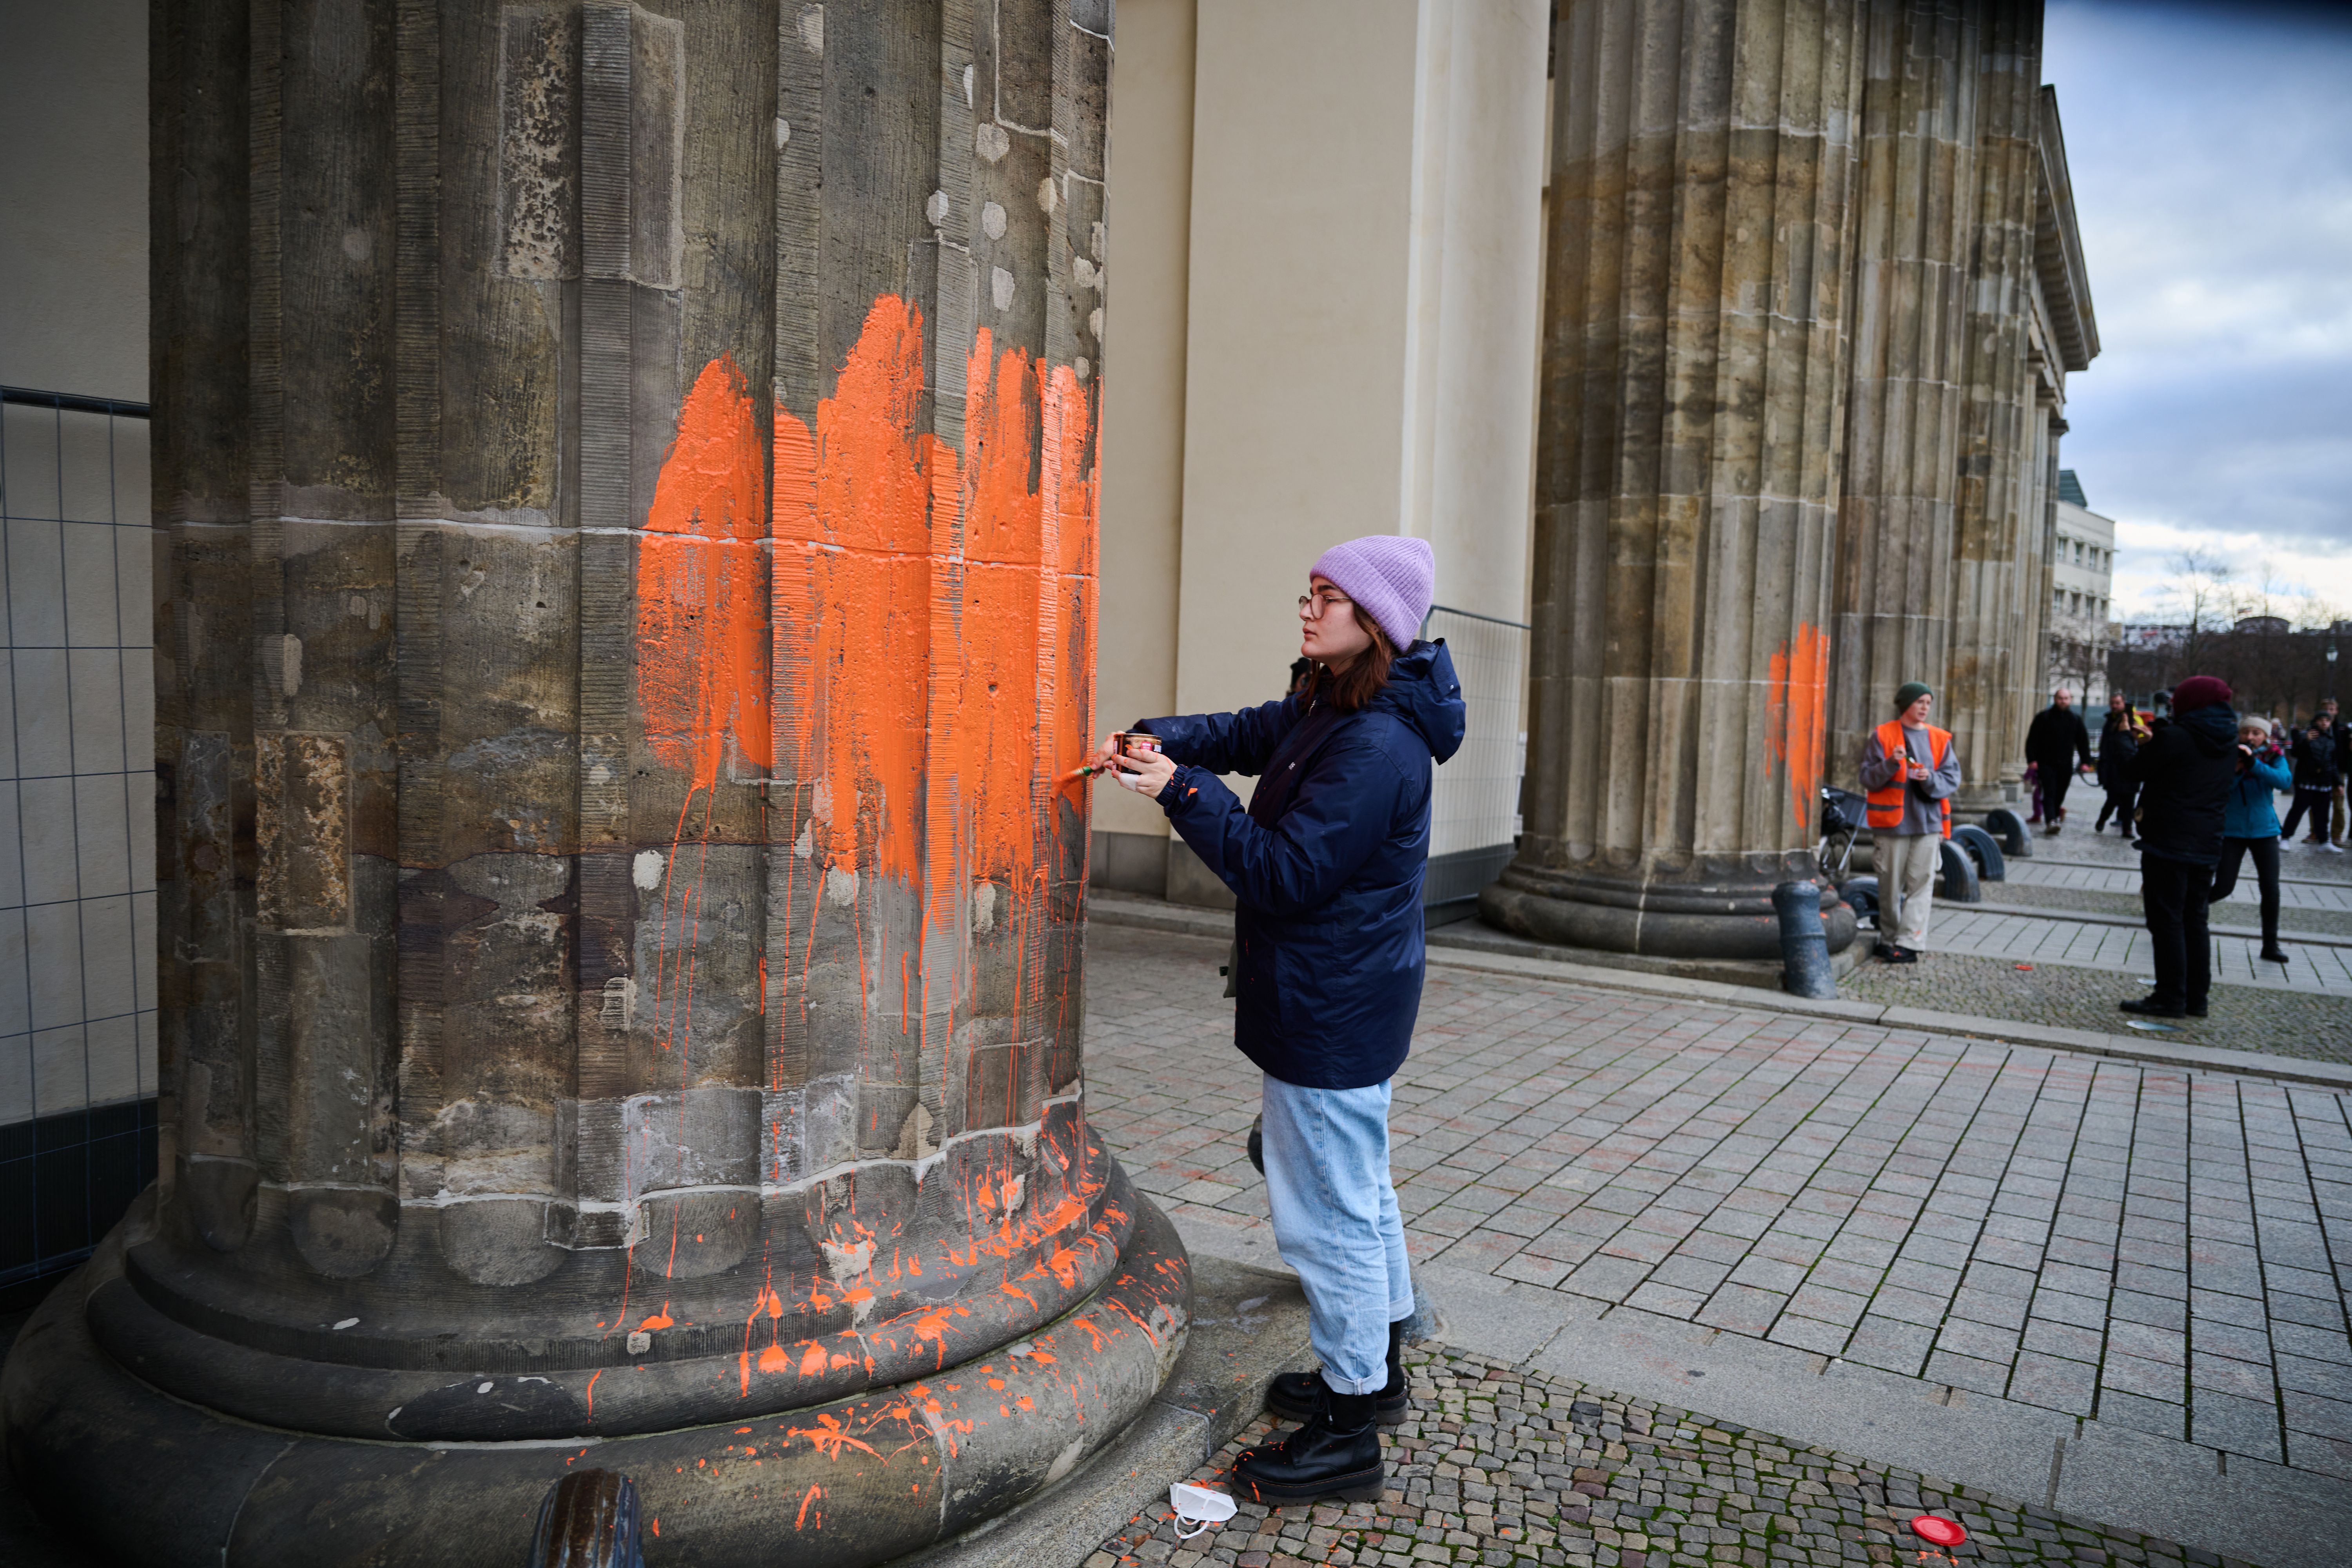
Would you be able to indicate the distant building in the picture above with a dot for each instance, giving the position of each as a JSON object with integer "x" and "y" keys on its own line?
{"x": 2082, "y": 579}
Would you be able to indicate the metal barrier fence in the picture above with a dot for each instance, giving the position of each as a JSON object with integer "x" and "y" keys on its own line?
{"x": 1475, "y": 815}
{"x": 77, "y": 827}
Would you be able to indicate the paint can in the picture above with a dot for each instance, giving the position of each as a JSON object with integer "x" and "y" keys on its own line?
{"x": 1135, "y": 744}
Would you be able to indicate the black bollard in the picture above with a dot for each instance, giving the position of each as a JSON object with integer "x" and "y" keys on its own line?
{"x": 1804, "y": 946}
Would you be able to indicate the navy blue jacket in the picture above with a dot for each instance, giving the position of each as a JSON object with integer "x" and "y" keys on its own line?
{"x": 1326, "y": 863}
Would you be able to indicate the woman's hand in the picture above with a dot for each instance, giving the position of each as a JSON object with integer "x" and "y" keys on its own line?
{"x": 1106, "y": 751}
{"x": 1147, "y": 775}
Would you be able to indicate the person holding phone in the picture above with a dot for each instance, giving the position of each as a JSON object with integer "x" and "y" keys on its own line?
{"x": 2250, "y": 825}
{"x": 1326, "y": 865}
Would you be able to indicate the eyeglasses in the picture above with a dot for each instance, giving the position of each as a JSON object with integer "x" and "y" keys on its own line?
{"x": 1322, "y": 603}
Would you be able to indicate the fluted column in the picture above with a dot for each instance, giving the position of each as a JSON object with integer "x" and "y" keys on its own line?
{"x": 627, "y": 486}
{"x": 1694, "y": 377}
{"x": 1997, "y": 591}
{"x": 1913, "y": 234}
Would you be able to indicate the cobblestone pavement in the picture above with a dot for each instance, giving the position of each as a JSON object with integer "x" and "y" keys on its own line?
{"x": 2152, "y": 1246}
{"x": 1495, "y": 1467}
{"x": 2235, "y": 914}
{"x": 2125, "y": 950}
{"x": 2298, "y": 891}
{"x": 2244, "y": 1018}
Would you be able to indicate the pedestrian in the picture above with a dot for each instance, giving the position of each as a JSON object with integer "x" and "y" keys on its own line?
{"x": 2057, "y": 743}
{"x": 1909, "y": 771}
{"x": 2250, "y": 825}
{"x": 2336, "y": 823}
{"x": 2185, "y": 773}
{"x": 2119, "y": 739}
{"x": 1325, "y": 863}
{"x": 2317, "y": 778}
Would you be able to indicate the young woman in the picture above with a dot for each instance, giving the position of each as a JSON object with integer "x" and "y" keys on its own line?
{"x": 1326, "y": 862}
{"x": 2250, "y": 825}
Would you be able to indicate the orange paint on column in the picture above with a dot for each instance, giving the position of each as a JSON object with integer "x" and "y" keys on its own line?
{"x": 1067, "y": 417}
{"x": 852, "y": 529}
{"x": 1003, "y": 669}
{"x": 1796, "y": 718}
{"x": 702, "y": 656}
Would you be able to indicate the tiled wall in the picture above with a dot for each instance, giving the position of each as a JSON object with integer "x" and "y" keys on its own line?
{"x": 77, "y": 831}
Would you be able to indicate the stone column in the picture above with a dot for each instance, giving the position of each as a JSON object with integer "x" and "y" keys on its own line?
{"x": 1914, "y": 233}
{"x": 1996, "y": 614}
{"x": 1694, "y": 378}
{"x": 626, "y": 519}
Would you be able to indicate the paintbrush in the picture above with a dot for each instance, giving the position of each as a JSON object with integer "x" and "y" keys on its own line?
{"x": 1075, "y": 775}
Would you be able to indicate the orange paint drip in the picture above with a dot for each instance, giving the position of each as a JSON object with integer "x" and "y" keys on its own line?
{"x": 1796, "y": 716}
{"x": 661, "y": 1320}
{"x": 702, "y": 655}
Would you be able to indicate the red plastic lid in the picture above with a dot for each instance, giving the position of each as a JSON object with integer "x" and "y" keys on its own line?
{"x": 1942, "y": 1532}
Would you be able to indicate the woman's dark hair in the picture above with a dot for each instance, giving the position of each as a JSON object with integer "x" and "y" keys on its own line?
{"x": 1351, "y": 688}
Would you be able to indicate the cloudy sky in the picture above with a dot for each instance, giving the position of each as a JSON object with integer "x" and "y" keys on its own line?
{"x": 2211, "y": 155}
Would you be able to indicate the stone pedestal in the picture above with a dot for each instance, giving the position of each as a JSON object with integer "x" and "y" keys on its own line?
{"x": 1694, "y": 377}
{"x": 1914, "y": 230}
{"x": 626, "y": 511}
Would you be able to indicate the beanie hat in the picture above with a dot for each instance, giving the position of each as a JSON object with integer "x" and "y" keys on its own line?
{"x": 2200, "y": 691}
{"x": 1910, "y": 691}
{"x": 1392, "y": 577}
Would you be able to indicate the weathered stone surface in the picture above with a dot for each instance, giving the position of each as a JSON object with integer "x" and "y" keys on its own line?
{"x": 627, "y": 480}
{"x": 1997, "y": 593}
{"x": 1913, "y": 240}
{"x": 1693, "y": 370}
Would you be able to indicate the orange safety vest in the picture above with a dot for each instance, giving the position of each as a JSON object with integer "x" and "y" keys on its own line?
{"x": 1886, "y": 804}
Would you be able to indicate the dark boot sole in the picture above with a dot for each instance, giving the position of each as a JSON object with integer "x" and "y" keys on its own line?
{"x": 1386, "y": 1411}
{"x": 1357, "y": 1486}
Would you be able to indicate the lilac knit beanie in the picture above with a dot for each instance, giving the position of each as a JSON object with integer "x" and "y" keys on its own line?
{"x": 1392, "y": 577}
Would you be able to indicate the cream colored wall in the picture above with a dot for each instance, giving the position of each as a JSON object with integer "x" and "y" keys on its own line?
{"x": 1322, "y": 321}
{"x": 1143, "y": 462}
{"x": 73, "y": 196}
{"x": 1302, "y": 163}
{"x": 1476, "y": 293}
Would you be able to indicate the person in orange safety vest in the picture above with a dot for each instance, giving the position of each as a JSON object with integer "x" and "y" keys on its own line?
{"x": 1909, "y": 771}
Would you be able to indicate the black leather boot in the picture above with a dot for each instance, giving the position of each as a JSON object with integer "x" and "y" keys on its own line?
{"x": 1336, "y": 1454}
{"x": 1298, "y": 1395}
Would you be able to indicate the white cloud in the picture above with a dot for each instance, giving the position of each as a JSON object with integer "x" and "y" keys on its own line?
{"x": 2313, "y": 580}
{"x": 2212, "y": 159}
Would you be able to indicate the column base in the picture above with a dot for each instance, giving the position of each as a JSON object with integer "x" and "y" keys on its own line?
{"x": 1716, "y": 912}
{"x": 145, "y": 1478}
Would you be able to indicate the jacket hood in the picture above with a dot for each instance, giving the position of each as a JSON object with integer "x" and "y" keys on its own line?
{"x": 1423, "y": 691}
{"x": 2213, "y": 728}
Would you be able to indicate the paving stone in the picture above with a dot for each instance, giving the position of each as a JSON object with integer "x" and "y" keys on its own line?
{"x": 1842, "y": 1189}
{"x": 2249, "y": 1426}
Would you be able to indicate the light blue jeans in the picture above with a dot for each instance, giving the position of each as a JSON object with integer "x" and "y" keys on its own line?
{"x": 1335, "y": 1222}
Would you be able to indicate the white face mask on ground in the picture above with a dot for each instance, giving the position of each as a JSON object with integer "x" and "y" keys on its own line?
{"x": 1198, "y": 1506}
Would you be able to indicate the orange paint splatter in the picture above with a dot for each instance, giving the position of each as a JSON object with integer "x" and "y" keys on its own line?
{"x": 661, "y": 1320}
{"x": 774, "y": 1360}
{"x": 800, "y": 1520}
{"x": 1796, "y": 717}
{"x": 702, "y": 656}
